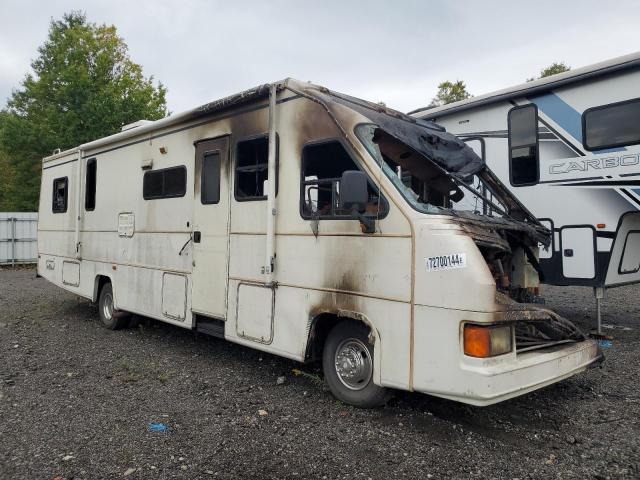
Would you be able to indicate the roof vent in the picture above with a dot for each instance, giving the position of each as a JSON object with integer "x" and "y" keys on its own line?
{"x": 137, "y": 124}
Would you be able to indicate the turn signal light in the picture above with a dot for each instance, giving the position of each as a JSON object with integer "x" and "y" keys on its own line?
{"x": 487, "y": 341}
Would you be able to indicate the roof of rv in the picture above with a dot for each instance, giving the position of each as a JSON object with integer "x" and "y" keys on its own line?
{"x": 141, "y": 127}
{"x": 422, "y": 135}
{"x": 543, "y": 84}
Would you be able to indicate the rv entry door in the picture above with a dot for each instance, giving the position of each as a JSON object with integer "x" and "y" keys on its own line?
{"x": 211, "y": 228}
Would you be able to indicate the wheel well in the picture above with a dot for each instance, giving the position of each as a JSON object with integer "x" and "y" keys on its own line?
{"x": 321, "y": 325}
{"x": 101, "y": 281}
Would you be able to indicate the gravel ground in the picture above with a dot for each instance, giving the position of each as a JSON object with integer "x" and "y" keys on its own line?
{"x": 76, "y": 402}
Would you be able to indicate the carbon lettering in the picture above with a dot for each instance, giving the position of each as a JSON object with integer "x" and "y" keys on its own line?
{"x": 576, "y": 166}
{"x": 629, "y": 160}
{"x": 594, "y": 163}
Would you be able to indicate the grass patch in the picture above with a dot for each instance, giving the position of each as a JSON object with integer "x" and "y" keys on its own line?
{"x": 130, "y": 373}
{"x": 315, "y": 378}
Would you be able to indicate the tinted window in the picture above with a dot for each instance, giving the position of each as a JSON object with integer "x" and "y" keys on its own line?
{"x": 60, "y": 195}
{"x": 322, "y": 168}
{"x": 210, "y": 178}
{"x": 252, "y": 168}
{"x": 612, "y": 125}
{"x": 167, "y": 183}
{"x": 523, "y": 145}
{"x": 90, "y": 185}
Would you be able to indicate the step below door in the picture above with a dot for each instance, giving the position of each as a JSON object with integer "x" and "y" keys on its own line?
{"x": 578, "y": 252}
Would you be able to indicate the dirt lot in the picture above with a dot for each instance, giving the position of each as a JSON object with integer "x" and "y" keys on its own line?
{"x": 76, "y": 401}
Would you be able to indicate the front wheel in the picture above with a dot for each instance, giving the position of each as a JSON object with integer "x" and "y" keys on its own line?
{"x": 347, "y": 362}
{"x": 110, "y": 317}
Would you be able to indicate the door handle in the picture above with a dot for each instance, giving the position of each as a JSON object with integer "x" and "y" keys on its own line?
{"x": 568, "y": 252}
{"x": 196, "y": 237}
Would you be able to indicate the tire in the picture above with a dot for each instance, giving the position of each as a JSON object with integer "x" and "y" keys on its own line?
{"x": 109, "y": 317}
{"x": 347, "y": 362}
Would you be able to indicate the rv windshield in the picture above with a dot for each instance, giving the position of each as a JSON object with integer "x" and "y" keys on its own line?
{"x": 427, "y": 187}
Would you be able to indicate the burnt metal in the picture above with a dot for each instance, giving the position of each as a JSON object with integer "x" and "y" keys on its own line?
{"x": 427, "y": 138}
{"x": 537, "y": 327}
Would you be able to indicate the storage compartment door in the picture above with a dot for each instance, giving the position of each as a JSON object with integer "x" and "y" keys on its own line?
{"x": 254, "y": 312}
{"x": 174, "y": 296}
{"x": 578, "y": 252}
{"x": 71, "y": 273}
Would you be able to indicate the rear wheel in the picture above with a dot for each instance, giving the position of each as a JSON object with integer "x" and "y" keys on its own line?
{"x": 110, "y": 317}
{"x": 347, "y": 362}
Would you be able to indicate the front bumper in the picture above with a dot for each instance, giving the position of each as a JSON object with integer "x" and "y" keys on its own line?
{"x": 530, "y": 371}
{"x": 448, "y": 373}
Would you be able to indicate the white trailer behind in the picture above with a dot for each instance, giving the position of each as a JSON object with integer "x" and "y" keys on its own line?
{"x": 568, "y": 147}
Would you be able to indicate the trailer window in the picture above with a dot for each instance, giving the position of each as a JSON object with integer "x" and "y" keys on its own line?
{"x": 210, "y": 178}
{"x": 322, "y": 168}
{"x": 166, "y": 183}
{"x": 523, "y": 145}
{"x": 60, "y": 195}
{"x": 90, "y": 185}
{"x": 252, "y": 169}
{"x": 613, "y": 125}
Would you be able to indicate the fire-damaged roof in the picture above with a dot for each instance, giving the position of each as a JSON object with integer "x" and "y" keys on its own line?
{"x": 425, "y": 137}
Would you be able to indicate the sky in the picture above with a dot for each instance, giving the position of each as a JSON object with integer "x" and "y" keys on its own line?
{"x": 392, "y": 51}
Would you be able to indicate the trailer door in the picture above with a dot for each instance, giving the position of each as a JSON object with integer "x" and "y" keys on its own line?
{"x": 578, "y": 252}
{"x": 211, "y": 228}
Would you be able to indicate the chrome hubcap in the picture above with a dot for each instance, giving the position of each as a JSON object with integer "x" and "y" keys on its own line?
{"x": 107, "y": 307}
{"x": 353, "y": 364}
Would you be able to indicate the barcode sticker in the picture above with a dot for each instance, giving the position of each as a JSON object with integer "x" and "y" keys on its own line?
{"x": 446, "y": 262}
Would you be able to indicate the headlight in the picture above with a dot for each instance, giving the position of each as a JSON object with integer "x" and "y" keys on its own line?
{"x": 487, "y": 341}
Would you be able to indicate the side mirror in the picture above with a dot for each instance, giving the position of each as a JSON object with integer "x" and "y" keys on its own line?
{"x": 353, "y": 191}
{"x": 354, "y": 196}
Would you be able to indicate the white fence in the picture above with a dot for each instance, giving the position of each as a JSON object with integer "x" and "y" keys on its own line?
{"x": 18, "y": 237}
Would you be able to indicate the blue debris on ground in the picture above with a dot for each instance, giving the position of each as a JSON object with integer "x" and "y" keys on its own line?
{"x": 158, "y": 427}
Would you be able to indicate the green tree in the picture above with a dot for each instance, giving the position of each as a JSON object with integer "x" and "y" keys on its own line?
{"x": 84, "y": 86}
{"x": 7, "y": 173}
{"x": 554, "y": 68}
{"x": 449, "y": 92}
{"x": 7, "y": 183}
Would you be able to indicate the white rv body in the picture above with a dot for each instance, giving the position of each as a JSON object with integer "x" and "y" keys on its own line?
{"x": 589, "y": 197}
{"x": 204, "y": 265}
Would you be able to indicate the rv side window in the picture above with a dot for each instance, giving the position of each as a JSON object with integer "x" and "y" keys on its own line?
{"x": 90, "y": 185}
{"x": 322, "y": 168}
{"x": 523, "y": 145}
{"x": 252, "y": 168}
{"x": 60, "y": 195}
{"x": 210, "y": 178}
{"x": 614, "y": 125}
{"x": 166, "y": 183}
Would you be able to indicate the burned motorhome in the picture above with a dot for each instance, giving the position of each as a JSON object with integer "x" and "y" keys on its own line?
{"x": 315, "y": 226}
